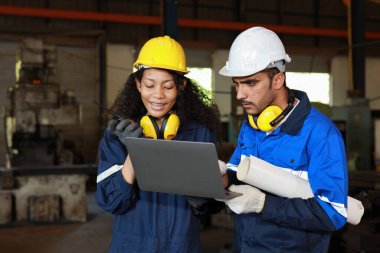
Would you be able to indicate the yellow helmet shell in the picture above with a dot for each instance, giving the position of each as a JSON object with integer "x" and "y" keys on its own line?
{"x": 162, "y": 52}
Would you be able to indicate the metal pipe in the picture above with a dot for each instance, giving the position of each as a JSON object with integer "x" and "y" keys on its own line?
{"x": 78, "y": 15}
{"x": 183, "y": 22}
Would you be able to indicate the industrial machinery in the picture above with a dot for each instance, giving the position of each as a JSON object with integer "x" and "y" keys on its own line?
{"x": 40, "y": 181}
{"x": 355, "y": 123}
{"x": 37, "y": 106}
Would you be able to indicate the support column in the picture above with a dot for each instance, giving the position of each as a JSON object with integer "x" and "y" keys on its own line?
{"x": 169, "y": 18}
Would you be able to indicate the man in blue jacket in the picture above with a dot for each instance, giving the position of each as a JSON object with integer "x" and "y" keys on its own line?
{"x": 285, "y": 130}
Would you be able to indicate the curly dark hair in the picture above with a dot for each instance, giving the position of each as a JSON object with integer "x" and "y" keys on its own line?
{"x": 192, "y": 102}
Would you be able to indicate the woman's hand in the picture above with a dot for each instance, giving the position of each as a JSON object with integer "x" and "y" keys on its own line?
{"x": 128, "y": 172}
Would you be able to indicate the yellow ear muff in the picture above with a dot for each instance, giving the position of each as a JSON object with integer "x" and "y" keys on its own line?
{"x": 149, "y": 129}
{"x": 268, "y": 115}
{"x": 263, "y": 121}
{"x": 171, "y": 127}
{"x": 268, "y": 119}
{"x": 252, "y": 122}
{"x": 168, "y": 129}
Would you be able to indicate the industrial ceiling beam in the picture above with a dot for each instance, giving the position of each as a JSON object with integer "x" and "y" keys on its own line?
{"x": 182, "y": 22}
{"x": 169, "y": 18}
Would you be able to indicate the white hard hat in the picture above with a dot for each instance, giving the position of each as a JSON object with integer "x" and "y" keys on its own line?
{"x": 254, "y": 50}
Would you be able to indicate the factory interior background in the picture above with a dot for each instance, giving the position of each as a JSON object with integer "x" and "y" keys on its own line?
{"x": 58, "y": 57}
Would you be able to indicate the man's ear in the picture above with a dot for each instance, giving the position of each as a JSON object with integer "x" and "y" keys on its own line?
{"x": 138, "y": 84}
{"x": 278, "y": 80}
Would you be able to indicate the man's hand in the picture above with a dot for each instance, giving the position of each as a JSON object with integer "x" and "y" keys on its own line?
{"x": 222, "y": 167}
{"x": 252, "y": 200}
{"x": 124, "y": 128}
{"x": 223, "y": 173}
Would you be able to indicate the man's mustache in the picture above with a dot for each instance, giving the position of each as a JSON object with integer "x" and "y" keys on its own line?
{"x": 246, "y": 102}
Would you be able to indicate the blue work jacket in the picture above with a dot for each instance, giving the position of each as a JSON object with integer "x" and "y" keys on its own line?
{"x": 309, "y": 145}
{"x": 146, "y": 222}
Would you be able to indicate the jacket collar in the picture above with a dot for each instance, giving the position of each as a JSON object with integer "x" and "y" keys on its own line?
{"x": 295, "y": 120}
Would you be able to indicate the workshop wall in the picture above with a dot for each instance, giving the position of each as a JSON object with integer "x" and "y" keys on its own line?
{"x": 119, "y": 61}
{"x": 7, "y": 79}
{"x": 77, "y": 69}
{"x": 340, "y": 83}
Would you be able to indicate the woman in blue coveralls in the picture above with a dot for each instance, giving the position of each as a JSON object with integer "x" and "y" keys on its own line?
{"x": 285, "y": 130}
{"x": 156, "y": 100}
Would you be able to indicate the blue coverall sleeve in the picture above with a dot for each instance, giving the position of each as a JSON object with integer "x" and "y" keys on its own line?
{"x": 327, "y": 172}
{"x": 305, "y": 214}
{"x": 327, "y": 175}
{"x": 113, "y": 193}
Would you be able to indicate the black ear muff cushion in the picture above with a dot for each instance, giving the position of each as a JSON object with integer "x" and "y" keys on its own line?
{"x": 252, "y": 121}
{"x": 163, "y": 125}
{"x": 156, "y": 128}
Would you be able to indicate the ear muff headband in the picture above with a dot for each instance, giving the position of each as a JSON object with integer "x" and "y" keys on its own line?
{"x": 163, "y": 126}
{"x": 168, "y": 128}
{"x": 283, "y": 114}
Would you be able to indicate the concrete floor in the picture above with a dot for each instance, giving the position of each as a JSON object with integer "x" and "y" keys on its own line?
{"x": 89, "y": 237}
{"x": 94, "y": 236}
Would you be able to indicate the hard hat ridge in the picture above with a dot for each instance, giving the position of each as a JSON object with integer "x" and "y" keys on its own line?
{"x": 254, "y": 50}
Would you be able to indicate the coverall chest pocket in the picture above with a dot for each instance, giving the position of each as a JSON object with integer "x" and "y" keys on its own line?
{"x": 292, "y": 158}
{"x": 248, "y": 149}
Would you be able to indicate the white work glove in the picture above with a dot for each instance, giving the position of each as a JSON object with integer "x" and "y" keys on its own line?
{"x": 252, "y": 200}
{"x": 222, "y": 167}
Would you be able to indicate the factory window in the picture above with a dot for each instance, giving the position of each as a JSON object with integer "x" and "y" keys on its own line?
{"x": 203, "y": 77}
{"x": 316, "y": 85}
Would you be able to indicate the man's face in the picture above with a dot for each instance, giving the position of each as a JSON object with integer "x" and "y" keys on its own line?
{"x": 254, "y": 92}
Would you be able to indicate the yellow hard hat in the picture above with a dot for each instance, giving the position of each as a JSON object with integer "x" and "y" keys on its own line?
{"x": 162, "y": 52}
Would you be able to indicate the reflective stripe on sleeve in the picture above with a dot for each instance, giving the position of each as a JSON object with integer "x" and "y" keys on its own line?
{"x": 108, "y": 172}
{"x": 339, "y": 207}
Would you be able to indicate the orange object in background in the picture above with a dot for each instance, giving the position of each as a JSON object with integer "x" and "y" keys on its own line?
{"x": 36, "y": 82}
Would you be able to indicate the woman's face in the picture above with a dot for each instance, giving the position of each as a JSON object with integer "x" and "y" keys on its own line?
{"x": 158, "y": 92}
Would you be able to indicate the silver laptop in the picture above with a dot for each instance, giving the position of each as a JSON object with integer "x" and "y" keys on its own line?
{"x": 177, "y": 167}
